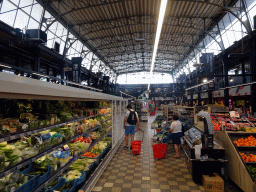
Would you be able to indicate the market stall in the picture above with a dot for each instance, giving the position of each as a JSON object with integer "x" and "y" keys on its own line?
{"x": 55, "y": 137}
{"x": 204, "y": 154}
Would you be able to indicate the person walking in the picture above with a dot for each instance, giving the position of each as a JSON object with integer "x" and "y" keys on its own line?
{"x": 176, "y": 134}
{"x": 130, "y": 120}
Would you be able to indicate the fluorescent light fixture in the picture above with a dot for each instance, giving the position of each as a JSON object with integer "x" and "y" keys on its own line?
{"x": 40, "y": 75}
{"x": 5, "y": 66}
{"x": 158, "y": 33}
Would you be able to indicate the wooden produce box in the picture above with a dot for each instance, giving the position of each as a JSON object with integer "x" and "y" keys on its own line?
{"x": 213, "y": 183}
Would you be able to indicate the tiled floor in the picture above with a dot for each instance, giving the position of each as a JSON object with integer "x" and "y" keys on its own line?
{"x": 142, "y": 173}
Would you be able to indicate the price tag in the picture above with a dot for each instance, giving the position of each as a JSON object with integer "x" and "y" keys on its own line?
{"x": 12, "y": 137}
{"x": 7, "y": 173}
{"x": 61, "y": 171}
{"x": 22, "y": 135}
{"x": 46, "y": 183}
{"x": 45, "y": 153}
{"x": 19, "y": 166}
{"x": 33, "y": 159}
{"x": 29, "y": 133}
{"x": 1, "y": 140}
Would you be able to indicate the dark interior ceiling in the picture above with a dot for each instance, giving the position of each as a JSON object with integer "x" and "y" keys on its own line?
{"x": 122, "y": 32}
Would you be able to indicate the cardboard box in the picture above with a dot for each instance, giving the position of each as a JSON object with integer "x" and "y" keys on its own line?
{"x": 213, "y": 183}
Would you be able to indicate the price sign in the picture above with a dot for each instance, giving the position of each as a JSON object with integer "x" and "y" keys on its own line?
{"x": 1, "y": 140}
{"x": 33, "y": 159}
{"x": 19, "y": 166}
{"x": 7, "y": 173}
{"x": 12, "y": 137}
{"x": 234, "y": 114}
{"x": 22, "y": 135}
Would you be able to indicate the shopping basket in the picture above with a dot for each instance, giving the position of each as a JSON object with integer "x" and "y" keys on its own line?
{"x": 136, "y": 145}
{"x": 159, "y": 150}
{"x": 158, "y": 130}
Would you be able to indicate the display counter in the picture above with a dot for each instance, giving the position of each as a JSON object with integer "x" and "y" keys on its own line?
{"x": 238, "y": 169}
{"x": 202, "y": 161}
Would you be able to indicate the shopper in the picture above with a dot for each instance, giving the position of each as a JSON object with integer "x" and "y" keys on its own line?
{"x": 130, "y": 120}
{"x": 176, "y": 134}
{"x": 240, "y": 110}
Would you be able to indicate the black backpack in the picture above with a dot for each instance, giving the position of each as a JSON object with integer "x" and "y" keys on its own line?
{"x": 132, "y": 118}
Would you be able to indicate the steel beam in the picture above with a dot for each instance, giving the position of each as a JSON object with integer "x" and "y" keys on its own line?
{"x": 84, "y": 41}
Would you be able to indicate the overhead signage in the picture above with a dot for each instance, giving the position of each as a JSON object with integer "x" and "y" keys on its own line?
{"x": 195, "y": 96}
{"x": 219, "y": 93}
{"x": 240, "y": 91}
{"x": 204, "y": 95}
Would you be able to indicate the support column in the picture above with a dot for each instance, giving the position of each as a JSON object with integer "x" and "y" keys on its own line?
{"x": 225, "y": 72}
{"x": 253, "y": 71}
{"x": 243, "y": 71}
{"x": 36, "y": 67}
{"x": 210, "y": 97}
{"x": 48, "y": 73}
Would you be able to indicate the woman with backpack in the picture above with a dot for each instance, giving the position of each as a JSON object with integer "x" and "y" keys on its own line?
{"x": 130, "y": 120}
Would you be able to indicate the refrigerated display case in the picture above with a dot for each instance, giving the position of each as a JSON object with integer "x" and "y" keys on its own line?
{"x": 88, "y": 127}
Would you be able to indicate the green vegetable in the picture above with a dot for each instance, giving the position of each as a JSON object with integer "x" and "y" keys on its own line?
{"x": 52, "y": 183}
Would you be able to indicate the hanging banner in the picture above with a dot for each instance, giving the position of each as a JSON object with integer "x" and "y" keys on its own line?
{"x": 219, "y": 93}
{"x": 204, "y": 95}
{"x": 240, "y": 91}
{"x": 195, "y": 96}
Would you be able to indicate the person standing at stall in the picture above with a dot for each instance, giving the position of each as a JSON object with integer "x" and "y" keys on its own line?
{"x": 176, "y": 134}
{"x": 130, "y": 120}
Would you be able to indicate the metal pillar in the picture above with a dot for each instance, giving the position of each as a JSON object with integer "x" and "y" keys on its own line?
{"x": 225, "y": 72}
{"x": 243, "y": 71}
{"x": 253, "y": 71}
{"x": 210, "y": 97}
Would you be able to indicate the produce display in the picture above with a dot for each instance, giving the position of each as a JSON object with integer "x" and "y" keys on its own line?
{"x": 248, "y": 158}
{"x": 98, "y": 148}
{"x": 252, "y": 171}
{"x": 233, "y": 123}
{"x": 59, "y": 144}
{"x": 24, "y": 115}
{"x": 248, "y": 141}
{"x": 105, "y": 111}
{"x": 12, "y": 182}
{"x": 79, "y": 168}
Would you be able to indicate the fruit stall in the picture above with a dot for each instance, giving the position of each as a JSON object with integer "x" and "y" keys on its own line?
{"x": 54, "y": 137}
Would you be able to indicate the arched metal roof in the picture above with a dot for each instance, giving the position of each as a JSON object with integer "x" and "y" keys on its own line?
{"x": 122, "y": 32}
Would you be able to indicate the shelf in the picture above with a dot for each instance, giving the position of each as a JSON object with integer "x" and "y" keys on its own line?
{"x": 45, "y": 152}
{"x": 93, "y": 178}
{"x": 220, "y": 112}
{"x": 30, "y": 132}
{"x": 62, "y": 169}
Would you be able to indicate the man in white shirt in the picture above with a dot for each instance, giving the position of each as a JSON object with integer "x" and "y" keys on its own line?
{"x": 130, "y": 128}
